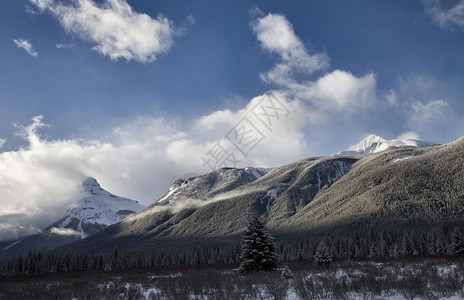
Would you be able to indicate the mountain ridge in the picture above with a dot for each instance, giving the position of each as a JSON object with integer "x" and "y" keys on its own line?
{"x": 312, "y": 196}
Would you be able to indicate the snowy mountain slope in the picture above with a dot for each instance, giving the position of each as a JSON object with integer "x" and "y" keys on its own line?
{"x": 397, "y": 188}
{"x": 95, "y": 210}
{"x": 217, "y": 204}
{"x": 375, "y": 144}
{"x": 207, "y": 185}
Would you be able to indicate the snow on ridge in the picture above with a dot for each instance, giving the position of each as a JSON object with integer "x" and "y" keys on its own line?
{"x": 376, "y": 144}
{"x": 171, "y": 191}
{"x": 400, "y": 158}
{"x": 257, "y": 172}
{"x": 226, "y": 175}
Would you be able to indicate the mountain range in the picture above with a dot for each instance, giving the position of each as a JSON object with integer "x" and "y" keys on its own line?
{"x": 375, "y": 184}
{"x": 400, "y": 187}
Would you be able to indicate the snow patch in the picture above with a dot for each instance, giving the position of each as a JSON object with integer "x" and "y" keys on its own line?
{"x": 8, "y": 247}
{"x": 400, "y": 158}
{"x": 171, "y": 191}
{"x": 271, "y": 195}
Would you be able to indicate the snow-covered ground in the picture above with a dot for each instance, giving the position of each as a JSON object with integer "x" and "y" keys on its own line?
{"x": 391, "y": 280}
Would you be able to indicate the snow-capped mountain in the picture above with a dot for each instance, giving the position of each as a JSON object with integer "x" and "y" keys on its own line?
{"x": 206, "y": 186}
{"x": 375, "y": 144}
{"x": 95, "y": 210}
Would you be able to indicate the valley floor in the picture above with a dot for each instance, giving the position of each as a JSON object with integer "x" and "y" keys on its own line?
{"x": 406, "y": 278}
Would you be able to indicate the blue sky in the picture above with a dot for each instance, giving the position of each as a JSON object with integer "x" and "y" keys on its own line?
{"x": 136, "y": 92}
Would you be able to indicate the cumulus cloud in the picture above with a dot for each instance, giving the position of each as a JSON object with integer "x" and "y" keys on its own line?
{"x": 276, "y": 35}
{"x": 114, "y": 28}
{"x": 446, "y": 16}
{"x": 27, "y": 46}
{"x": 337, "y": 92}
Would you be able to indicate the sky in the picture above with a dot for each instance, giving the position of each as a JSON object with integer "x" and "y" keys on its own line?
{"x": 139, "y": 93}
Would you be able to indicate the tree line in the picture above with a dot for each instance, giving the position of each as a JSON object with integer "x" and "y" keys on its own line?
{"x": 371, "y": 244}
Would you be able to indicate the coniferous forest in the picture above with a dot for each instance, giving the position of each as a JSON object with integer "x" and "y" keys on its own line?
{"x": 384, "y": 244}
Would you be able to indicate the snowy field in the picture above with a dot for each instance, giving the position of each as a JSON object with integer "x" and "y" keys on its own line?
{"x": 401, "y": 279}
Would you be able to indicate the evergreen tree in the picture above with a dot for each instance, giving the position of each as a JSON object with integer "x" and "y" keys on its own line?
{"x": 457, "y": 242}
{"x": 258, "y": 250}
{"x": 322, "y": 254}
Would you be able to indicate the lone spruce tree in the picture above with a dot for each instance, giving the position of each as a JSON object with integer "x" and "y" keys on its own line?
{"x": 258, "y": 250}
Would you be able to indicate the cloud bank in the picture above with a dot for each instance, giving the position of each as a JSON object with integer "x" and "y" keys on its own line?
{"x": 27, "y": 46}
{"x": 114, "y": 28}
{"x": 138, "y": 159}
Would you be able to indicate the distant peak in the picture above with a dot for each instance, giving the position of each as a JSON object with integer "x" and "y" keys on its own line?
{"x": 374, "y": 144}
{"x": 369, "y": 144}
{"x": 90, "y": 182}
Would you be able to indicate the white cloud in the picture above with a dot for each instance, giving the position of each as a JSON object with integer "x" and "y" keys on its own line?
{"x": 392, "y": 97}
{"x": 65, "y": 46}
{"x": 27, "y": 46}
{"x": 409, "y": 135}
{"x": 434, "y": 120}
{"x": 337, "y": 92}
{"x": 446, "y": 17}
{"x": 435, "y": 109}
{"x": 276, "y": 35}
{"x": 65, "y": 231}
{"x": 115, "y": 28}
{"x": 2, "y": 142}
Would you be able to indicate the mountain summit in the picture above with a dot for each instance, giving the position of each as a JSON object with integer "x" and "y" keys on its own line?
{"x": 375, "y": 144}
{"x": 95, "y": 210}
